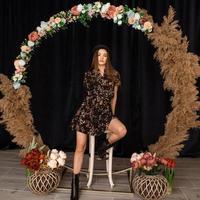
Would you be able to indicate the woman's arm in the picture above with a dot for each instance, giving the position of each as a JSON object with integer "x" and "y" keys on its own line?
{"x": 114, "y": 100}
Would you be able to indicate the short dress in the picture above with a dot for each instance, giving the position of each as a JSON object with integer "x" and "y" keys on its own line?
{"x": 95, "y": 112}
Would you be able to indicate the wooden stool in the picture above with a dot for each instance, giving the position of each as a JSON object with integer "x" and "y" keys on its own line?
{"x": 91, "y": 162}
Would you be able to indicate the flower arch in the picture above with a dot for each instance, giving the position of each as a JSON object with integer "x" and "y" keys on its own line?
{"x": 170, "y": 46}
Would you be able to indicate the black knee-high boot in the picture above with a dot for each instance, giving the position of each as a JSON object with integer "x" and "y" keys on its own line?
{"x": 75, "y": 187}
{"x": 101, "y": 150}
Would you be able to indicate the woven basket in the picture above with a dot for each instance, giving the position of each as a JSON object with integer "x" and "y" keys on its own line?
{"x": 150, "y": 187}
{"x": 43, "y": 181}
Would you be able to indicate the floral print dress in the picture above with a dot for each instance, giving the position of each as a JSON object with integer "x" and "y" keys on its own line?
{"x": 95, "y": 112}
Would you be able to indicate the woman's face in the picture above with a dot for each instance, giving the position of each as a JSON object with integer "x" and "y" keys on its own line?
{"x": 102, "y": 56}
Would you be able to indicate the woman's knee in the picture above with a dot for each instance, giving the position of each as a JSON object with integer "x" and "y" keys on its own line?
{"x": 80, "y": 148}
{"x": 122, "y": 131}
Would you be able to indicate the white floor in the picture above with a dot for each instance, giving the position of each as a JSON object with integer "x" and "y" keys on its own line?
{"x": 13, "y": 181}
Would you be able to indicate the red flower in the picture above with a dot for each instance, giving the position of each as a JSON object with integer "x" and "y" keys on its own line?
{"x": 33, "y": 159}
{"x": 143, "y": 20}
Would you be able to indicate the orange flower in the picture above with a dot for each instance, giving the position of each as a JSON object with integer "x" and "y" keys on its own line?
{"x": 111, "y": 11}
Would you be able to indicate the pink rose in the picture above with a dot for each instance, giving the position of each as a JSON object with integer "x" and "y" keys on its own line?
{"x": 90, "y": 13}
{"x": 147, "y": 155}
{"x": 135, "y": 165}
{"x": 143, "y": 161}
{"x": 33, "y": 36}
{"x": 74, "y": 11}
{"x": 151, "y": 161}
{"x": 57, "y": 20}
{"x": 19, "y": 70}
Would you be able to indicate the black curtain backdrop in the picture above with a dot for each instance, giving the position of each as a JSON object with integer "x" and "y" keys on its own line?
{"x": 56, "y": 70}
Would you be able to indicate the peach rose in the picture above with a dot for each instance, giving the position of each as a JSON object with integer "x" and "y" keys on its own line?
{"x": 48, "y": 28}
{"x": 57, "y": 20}
{"x": 119, "y": 9}
{"x": 74, "y": 11}
{"x": 111, "y": 11}
{"x": 131, "y": 20}
{"x": 147, "y": 25}
{"x": 41, "y": 33}
{"x": 33, "y": 36}
{"x": 25, "y": 49}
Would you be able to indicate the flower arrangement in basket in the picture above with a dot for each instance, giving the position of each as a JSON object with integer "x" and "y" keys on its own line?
{"x": 43, "y": 168}
{"x": 152, "y": 172}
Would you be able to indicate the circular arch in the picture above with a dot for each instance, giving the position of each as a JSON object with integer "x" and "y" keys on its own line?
{"x": 179, "y": 75}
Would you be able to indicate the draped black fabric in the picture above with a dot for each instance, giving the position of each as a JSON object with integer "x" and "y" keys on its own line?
{"x": 56, "y": 70}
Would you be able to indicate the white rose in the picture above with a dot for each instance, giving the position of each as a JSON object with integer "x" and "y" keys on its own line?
{"x": 30, "y": 43}
{"x": 105, "y": 7}
{"x": 61, "y": 161}
{"x": 52, "y": 164}
{"x": 54, "y": 151}
{"x": 21, "y": 62}
{"x": 134, "y": 157}
{"x": 119, "y": 16}
{"x": 16, "y": 85}
{"x": 119, "y": 22}
{"x": 39, "y": 29}
{"x": 115, "y": 19}
{"x": 137, "y": 16}
{"x": 62, "y": 155}
{"x": 63, "y": 20}
{"x": 53, "y": 156}
{"x": 43, "y": 25}
{"x": 79, "y": 7}
{"x": 19, "y": 76}
{"x": 98, "y": 4}
{"x": 23, "y": 55}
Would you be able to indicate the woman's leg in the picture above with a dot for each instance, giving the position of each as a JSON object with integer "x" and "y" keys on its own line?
{"x": 117, "y": 130}
{"x": 81, "y": 141}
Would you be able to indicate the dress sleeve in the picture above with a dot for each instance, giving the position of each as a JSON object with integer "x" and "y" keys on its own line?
{"x": 87, "y": 81}
{"x": 117, "y": 79}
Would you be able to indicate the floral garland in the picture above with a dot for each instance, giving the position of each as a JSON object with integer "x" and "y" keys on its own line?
{"x": 78, "y": 13}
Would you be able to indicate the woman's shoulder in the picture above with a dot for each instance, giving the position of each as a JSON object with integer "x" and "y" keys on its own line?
{"x": 116, "y": 73}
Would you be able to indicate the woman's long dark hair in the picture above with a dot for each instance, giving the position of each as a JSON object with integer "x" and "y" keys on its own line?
{"x": 109, "y": 69}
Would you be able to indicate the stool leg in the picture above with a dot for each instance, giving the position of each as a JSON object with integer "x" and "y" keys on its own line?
{"x": 110, "y": 167}
{"x": 91, "y": 159}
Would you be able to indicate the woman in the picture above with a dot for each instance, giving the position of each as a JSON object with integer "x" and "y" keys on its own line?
{"x": 96, "y": 113}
